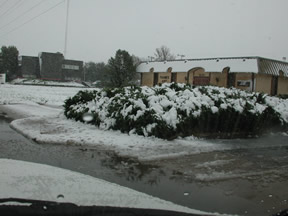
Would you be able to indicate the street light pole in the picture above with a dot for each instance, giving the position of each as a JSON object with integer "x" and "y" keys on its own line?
{"x": 66, "y": 29}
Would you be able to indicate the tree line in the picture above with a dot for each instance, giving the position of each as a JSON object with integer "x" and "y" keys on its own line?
{"x": 119, "y": 71}
{"x": 9, "y": 61}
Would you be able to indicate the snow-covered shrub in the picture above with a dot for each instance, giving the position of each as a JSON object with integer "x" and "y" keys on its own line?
{"x": 173, "y": 110}
{"x": 76, "y": 106}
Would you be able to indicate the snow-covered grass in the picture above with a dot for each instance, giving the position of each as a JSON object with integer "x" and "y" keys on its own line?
{"x": 46, "y": 82}
{"x": 174, "y": 110}
{"x": 55, "y": 96}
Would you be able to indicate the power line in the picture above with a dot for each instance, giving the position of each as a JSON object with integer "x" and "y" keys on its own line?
{"x": 11, "y": 8}
{"x": 22, "y": 14}
{"x": 18, "y": 5}
{"x": 33, "y": 18}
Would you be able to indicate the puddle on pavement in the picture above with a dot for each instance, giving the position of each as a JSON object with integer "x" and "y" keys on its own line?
{"x": 172, "y": 180}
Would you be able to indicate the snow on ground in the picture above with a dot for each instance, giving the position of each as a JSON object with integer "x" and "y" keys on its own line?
{"x": 30, "y": 110}
{"x": 46, "y": 123}
{"x": 59, "y": 130}
{"x": 55, "y": 96}
{"x": 45, "y": 82}
{"x": 213, "y": 163}
{"x": 28, "y": 180}
{"x": 222, "y": 175}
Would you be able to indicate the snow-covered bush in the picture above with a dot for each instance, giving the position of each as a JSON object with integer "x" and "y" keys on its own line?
{"x": 173, "y": 110}
{"x": 80, "y": 100}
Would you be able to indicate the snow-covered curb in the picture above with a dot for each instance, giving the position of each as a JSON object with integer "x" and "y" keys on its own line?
{"x": 27, "y": 180}
{"x": 59, "y": 130}
{"x": 56, "y": 129}
{"x": 48, "y": 125}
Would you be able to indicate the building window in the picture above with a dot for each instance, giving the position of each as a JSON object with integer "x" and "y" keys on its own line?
{"x": 70, "y": 67}
{"x": 244, "y": 83}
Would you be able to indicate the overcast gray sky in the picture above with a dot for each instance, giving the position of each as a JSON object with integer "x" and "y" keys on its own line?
{"x": 195, "y": 28}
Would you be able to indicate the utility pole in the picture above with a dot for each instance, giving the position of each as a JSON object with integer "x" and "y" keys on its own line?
{"x": 66, "y": 29}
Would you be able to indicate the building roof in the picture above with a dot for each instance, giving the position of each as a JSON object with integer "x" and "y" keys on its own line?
{"x": 49, "y": 53}
{"x": 236, "y": 64}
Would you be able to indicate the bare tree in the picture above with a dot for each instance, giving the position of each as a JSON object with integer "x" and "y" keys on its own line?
{"x": 163, "y": 53}
{"x": 136, "y": 60}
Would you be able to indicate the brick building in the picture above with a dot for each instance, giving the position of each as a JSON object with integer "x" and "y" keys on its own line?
{"x": 247, "y": 73}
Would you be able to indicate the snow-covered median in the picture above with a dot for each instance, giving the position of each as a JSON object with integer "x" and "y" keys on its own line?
{"x": 27, "y": 180}
{"x": 47, "y": 124}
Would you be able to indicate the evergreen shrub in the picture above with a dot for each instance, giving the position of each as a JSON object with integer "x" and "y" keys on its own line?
{"x": 172, "y": 110}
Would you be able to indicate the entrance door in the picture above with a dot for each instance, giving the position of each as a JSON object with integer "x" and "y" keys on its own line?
{"x": 173, "y": 77}
{"x": 155, "y": 81}
{"x": 231, "y": 80}
{"x": 274, "y": 85}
